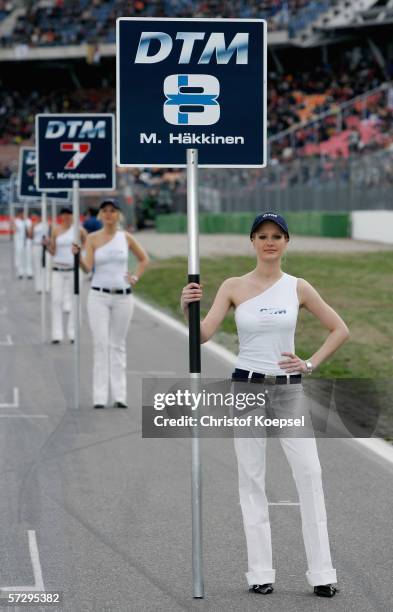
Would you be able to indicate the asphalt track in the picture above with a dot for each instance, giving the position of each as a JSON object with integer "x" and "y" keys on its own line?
{"x": 210, "y": 245}
{"x": 108, "y": 513}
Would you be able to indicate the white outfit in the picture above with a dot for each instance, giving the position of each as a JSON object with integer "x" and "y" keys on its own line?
{"x": 19, "y": 246}
{"x": 39, "y": 231}
{"x": 29, "y": 250}
{"x": 62, "y": 285}
{"x": 109, "y": 317}
{"x": 266, "y": 327}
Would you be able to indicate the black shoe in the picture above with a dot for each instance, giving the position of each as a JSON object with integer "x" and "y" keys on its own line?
{"x": 72, "y": 341}
{"x": 29, "y": 277}
{"x": 97, "y": 406}
{"x": 325, "y": 590}
{"x": 263, "y": 589}
{"x": 119, "y": 405}
{"x": 55, "y": 341}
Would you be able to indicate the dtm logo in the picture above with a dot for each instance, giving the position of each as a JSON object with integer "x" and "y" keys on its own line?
{"x": 30, "y": 160}
{"x": 191, "y": 99}
{"x": 75, "y": 128}
{"x": 81, "y": 149}
{"x": 215, "y": 47}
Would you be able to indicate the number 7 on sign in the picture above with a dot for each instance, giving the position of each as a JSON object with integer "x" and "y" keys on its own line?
{"x": 81, "y": 149}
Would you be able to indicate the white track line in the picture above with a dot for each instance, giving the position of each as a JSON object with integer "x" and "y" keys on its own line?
{"x": 15, "y": 402}
{"x": 377, "y": 446}
{"x": 211, "y": 346}
{"x": 37, "y": 571}
{"x": 8, "y": 341}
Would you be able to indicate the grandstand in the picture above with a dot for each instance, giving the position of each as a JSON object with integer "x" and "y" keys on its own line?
{"x": 330, "y": 98}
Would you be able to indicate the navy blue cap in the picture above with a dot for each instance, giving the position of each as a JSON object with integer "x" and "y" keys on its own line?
{"x": 66, "y": 210}
{"x": 269, "y": 216}
{"x": 112, "y": 201}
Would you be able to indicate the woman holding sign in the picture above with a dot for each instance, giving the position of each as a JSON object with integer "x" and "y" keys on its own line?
{"x": 266, "y": 303}
{"x": 110, "y": 303}
{"x": 60, "y": 247}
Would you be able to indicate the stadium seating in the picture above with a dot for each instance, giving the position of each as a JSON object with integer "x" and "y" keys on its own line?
{"x": 77, "y": 21}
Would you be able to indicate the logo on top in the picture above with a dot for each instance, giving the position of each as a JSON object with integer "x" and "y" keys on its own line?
{"x": 191, "y": 99}
{"x": 75, "y": 128}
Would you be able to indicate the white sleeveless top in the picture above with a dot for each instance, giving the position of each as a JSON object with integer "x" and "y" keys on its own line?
{"x": 29, "y": 225}
{"x": 20, "y": 230}
{"x": 111, "y": 263}
{"x": 266, "y": 327}
{"x": 39, "y": 231}
{"x": 63, "y": 255}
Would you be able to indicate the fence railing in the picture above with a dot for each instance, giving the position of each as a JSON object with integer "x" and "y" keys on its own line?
{"x": 303, "y": 185}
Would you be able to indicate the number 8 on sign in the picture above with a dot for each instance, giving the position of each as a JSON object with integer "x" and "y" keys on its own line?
{"x": 191, "y": 99}
{"x": 81, "y": 149}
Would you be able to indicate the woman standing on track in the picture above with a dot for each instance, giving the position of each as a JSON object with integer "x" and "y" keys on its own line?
{"x": 110, "y": 303}
{"x": 38, "y": 233}
{"x": 60, "y": 247}
{"x": 266, "y": 302}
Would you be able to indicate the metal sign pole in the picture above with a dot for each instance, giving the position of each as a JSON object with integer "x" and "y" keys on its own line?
{"x": 44, "y": 218}
{"x": 195, "y": 368}
{"x": 13, "y": 255}
{"x": 10, "y": 219}
{"x": 10, "y": 200}
{"x": 75, "y": 211}
{"x": 25, "y": 246}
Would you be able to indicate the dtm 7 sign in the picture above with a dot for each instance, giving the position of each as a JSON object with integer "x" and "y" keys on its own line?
{"x": 75, "y": 148}
{"x": 27, "y": 177}
{"x": 191, "y": 83}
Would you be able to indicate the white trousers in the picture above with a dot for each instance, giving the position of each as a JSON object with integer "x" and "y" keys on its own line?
{"x": 37, "y": 268}
{"x": 302, "y": 456}
{"x": 62, "y": 292}
{"x": 23, "y": 257}
{"x": 19, "y": 257}
{"x": 29, "y": 257}
{"x": 109, "y": 318}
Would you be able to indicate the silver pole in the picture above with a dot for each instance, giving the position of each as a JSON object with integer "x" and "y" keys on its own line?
{"x": 25, "y": 215}
{"x": 10, "y": 203}
{"x": 44, "y": 262}
{"x": 15, "y": 273}
{"x": 195, "y": 371}
{"x": 10, "y": 218}
{"x": 53, "y": 214}
{"x": 75, "y": 211}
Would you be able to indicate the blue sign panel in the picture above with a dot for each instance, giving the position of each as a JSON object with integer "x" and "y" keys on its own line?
{"x": 27, "y": 187}
{"x": 76, "y": 147}
{"x": 191, "y": 83}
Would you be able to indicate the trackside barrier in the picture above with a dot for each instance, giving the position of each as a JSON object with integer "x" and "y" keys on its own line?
{"x": 325, "y": 224}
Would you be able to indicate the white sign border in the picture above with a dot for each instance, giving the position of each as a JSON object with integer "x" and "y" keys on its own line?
{"x": 37, "y": 198}
{"x": 264, "y": 92}
{"x": 106, "y": 115}
{"x": 19, "y": 182}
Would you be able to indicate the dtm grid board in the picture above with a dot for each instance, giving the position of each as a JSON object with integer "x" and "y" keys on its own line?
{"x": 75, "y": 147}
{"x": 191, "y": 83}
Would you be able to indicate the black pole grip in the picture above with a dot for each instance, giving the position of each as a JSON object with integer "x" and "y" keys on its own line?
{"x": 194, "y": 328}
{"x": 43, "y": 260}
{"x": 76, "y": 273}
